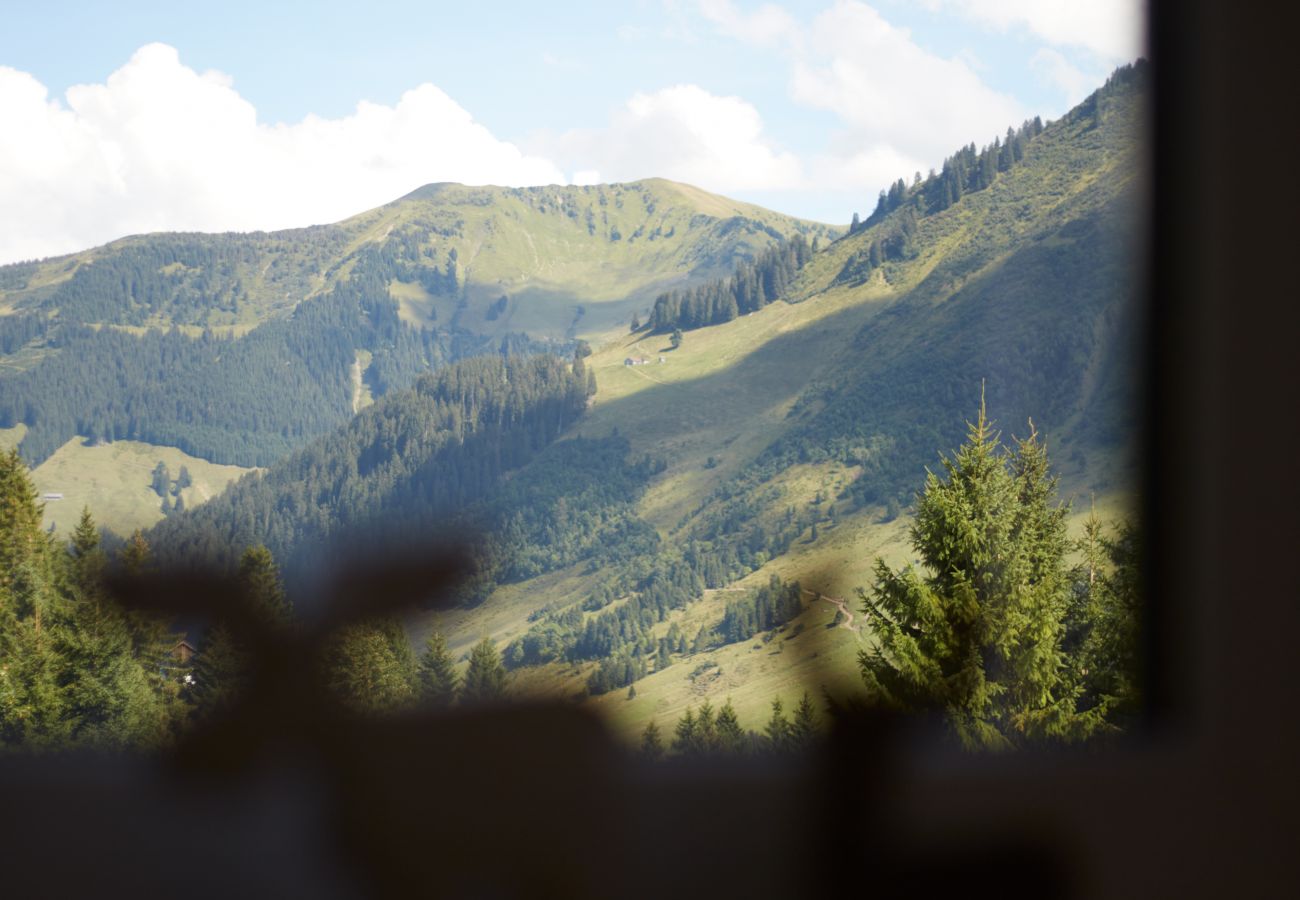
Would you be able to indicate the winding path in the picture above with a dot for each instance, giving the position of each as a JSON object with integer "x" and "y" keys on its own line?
{"x": 843, "y": 608}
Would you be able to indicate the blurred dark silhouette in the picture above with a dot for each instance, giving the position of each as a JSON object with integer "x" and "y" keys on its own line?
{"x": 292, "y": 796}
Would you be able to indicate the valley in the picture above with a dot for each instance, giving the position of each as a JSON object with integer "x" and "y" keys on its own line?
{"x": 679, "y": 430}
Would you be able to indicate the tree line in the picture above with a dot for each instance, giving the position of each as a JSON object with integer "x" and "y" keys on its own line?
{"x": 403, "y": 467}
{"x": 78, "y": 670}
{"x": 753, "y": 285}
{"x": 246, "y": 400}
{"x": 705, "y": 732}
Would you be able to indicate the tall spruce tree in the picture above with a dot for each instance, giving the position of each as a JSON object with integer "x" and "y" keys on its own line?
{"x": 31, "y": 703}
{"x": 778, "y": 729}
{"x": 731, "y": 737}
{"x": 978, "y": 634}
{"x": 684, "y": 741}
{"x": 105, "y": 691}
{"x": 485, "y": 679}
{"x": 437, "y": 673}
{"x": 803, "y": 730}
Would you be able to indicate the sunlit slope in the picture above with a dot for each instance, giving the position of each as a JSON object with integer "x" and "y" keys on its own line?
{"x": 569, "y": 260}
{"x": 115, "y": 482}
{"x": 834, "y": 405}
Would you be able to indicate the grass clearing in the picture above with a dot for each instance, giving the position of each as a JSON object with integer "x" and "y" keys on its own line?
{"x": 113, "y": 480}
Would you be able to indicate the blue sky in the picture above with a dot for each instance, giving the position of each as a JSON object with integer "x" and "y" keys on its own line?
{"x": 152, "y": 116}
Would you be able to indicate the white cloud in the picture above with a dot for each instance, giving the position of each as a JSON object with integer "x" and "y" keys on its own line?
{"x": 1114, "y": 30}
{"x": 1056, "y": 70}
{"x": 769, "y": 25}
{"x": 684, "y": 133}
{"x": 898, "y": 102}
{"x": 160, "y": 146}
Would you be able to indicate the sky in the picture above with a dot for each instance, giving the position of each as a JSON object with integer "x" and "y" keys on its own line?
{"x": 132, "y": 117}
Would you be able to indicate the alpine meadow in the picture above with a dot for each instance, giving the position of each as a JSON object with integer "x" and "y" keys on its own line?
{"x": 715, "y": 473}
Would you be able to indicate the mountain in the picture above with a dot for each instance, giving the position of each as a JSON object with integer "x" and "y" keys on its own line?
{"x": 773, "y": 453}
{"x": 240, "y": 348}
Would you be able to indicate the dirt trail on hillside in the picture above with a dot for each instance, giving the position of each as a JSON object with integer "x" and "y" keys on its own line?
{"x": 843, "y": 607}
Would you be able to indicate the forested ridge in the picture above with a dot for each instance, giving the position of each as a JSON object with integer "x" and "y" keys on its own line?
{"x": 271, "y": 323}
{"x": 402, "y": 467}
{"x": 242, "y": 400}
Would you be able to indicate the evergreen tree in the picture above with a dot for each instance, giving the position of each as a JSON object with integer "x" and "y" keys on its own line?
{"x": 221, "y": 667}
{"x": 1102, "y": 623}
{"x": 105, "y": 692}
{"x": 676, "y": 338}
{"x": 636, "y": 323}
{"x": 979, "y": 637}
{"x": 161, "y": 479}
{"x": 259, "y": 579}
{"x": 437, "y": 673}
{"x": 183, "y": 479}
{"x": 220, "y": 670}
{"x": 31, "y": 707}
{"x": 366, "y": 673}
{"x": 803, "y": 730}
{"x": 652, "y": 746}
{"x": 684, "y": 741}
{"x": 706, "y": 731}
{"x": 485, "y": 680}
{"x": 778, "y": 729}
{"x": 731, "y": 738}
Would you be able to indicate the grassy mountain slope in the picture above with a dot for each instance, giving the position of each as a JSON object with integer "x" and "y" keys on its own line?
{"x": 832, "y": 406}
{"x": 573, "y": 261}
{"x": 239, "y": 348}
{"x": 549, "y": 249}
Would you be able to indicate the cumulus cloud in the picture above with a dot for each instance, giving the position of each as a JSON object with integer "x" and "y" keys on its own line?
{"x": 892, "y": 93}
{"x": 1054, "y": 69}
{"x": 684, "y": 133}
{"x": 769, "y": 25}
{"x": 1114, "y": 30}
{"x": 902, "y": 108}
{"x": 159, "y": 146}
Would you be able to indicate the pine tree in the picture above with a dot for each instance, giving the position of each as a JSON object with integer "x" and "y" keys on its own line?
{"x": 778, "y": 729}
{"x": 259, "y": 579}
{"x": 684, "y": 741}
{"x": 485, "y": 680}
{"x": 437, "y": 673}
{"x": 803, "y": 730}
{"x": 676, "y": 339}
{"x": 652, "y": 746}
{"x": 105, "y": 692}
{"x": 31, "y": 707}
{"x": 706, "y": 731}
{"x": 636, "y": 323}
{"x": 731, "y": 738}
{"x": 161, "y": 479}
{"x": 366, "y": 673}
{"x": 979, "y": 636}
